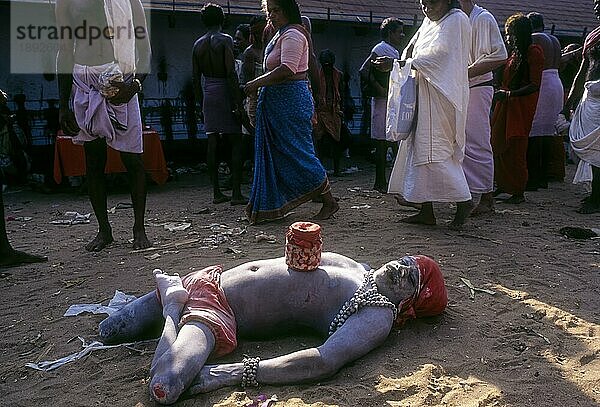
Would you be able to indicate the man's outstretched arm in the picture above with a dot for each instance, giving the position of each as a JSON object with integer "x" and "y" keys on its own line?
{"x": 361, "y": 333}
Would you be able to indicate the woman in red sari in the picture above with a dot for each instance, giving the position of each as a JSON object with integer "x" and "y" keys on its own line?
{"x": 515, "y": 108}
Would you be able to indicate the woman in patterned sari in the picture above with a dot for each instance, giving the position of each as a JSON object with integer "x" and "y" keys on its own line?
{"x": 287, "y": 172}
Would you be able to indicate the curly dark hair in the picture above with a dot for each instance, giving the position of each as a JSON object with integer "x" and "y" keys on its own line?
{"x": 212, "y": 15}
{"x": 388, "y": 26}
{"x": 290, "y": 8}
{"x": 537, "y": 21}
{"x": 257, "y": 19}
{"x": 245, "y": 30}
{"x": 520, "y": 26}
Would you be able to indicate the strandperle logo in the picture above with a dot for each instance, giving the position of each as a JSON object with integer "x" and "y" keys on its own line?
{"x": 35, "y": 35}
{"x": 85, "y": 31}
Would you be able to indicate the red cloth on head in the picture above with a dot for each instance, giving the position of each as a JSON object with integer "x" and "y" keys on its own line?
{"x": 431, "y": 297}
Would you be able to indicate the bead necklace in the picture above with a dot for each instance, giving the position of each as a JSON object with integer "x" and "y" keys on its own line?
{"x": 365, "y": 296}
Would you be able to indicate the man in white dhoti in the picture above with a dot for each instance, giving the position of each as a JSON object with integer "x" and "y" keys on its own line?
{"x": 545, "y": 151}
{"x": 428, "y": 167}
{"x": 585, "y": 124}
{"x": 487, "y": 53}
{"x": 106, "y": 67}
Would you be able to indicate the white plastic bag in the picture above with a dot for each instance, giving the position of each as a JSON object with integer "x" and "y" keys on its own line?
{"x": 402, "y": 103}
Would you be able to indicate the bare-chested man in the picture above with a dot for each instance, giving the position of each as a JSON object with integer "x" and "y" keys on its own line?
{"x": 8, "y": 256}
{"x": 352, "y": 306}
{"x": 392, "y": 33}
{"x": 545, "y": 151}
{"x": 585, "y": 124}
{"x": 217, "y": 89}
{"x": 98, "y": 115}
{"x": 252, "y": 62}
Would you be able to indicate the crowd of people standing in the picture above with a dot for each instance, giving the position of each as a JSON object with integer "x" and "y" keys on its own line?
{"x": 487, "y": 116}
{"x": 466, "y": 72}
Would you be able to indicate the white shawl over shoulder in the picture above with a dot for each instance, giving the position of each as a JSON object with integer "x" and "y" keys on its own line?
{"x": 440, "y": 56}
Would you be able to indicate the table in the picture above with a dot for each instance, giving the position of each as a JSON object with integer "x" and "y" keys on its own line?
{"x": 69, "y": 158}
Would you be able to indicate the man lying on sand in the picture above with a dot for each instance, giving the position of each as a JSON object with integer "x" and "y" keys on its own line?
{"x": 352, "y": 306}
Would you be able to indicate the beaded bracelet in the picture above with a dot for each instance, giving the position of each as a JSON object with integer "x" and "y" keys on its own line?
{"x": 249, "y": 373}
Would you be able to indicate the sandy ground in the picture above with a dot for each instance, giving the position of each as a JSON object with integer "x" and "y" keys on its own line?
{"x": 536, "y": 342}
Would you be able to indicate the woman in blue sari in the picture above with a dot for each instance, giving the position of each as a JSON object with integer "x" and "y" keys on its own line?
{"x": 287, "y": 172}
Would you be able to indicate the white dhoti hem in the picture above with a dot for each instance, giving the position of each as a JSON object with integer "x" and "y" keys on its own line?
{"x": 433, "y": 182}
{"x": 550, "y": 104}
{"x": 478, "y": 163}
{"x": 378, "y": 115}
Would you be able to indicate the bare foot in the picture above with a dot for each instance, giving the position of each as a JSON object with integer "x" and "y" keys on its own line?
{"x": 588, "y": 207}
{"x": 221, "y": 198}
{"x": 15, "y": 257}
{"x": 319, "y": 199}
{"x": 463, "y": 210}
{"x": 101, "y": 240}
{"x": 403, "y": 202}
{"x": 486, "y": 205}
{"x": 381, "y": 188}
{"x": 515, "y": 200}
{"x": 170, "y": 289}
{"x": 482, "y": 210}
{"x": 419, "y": 219}
{"x": 140, "y": 240}
{"x": 327, "y": 211}
{"x": 239, "y": 200}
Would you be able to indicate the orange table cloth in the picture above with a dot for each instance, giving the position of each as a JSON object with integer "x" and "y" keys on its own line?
{"x": 69, "y": 158}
